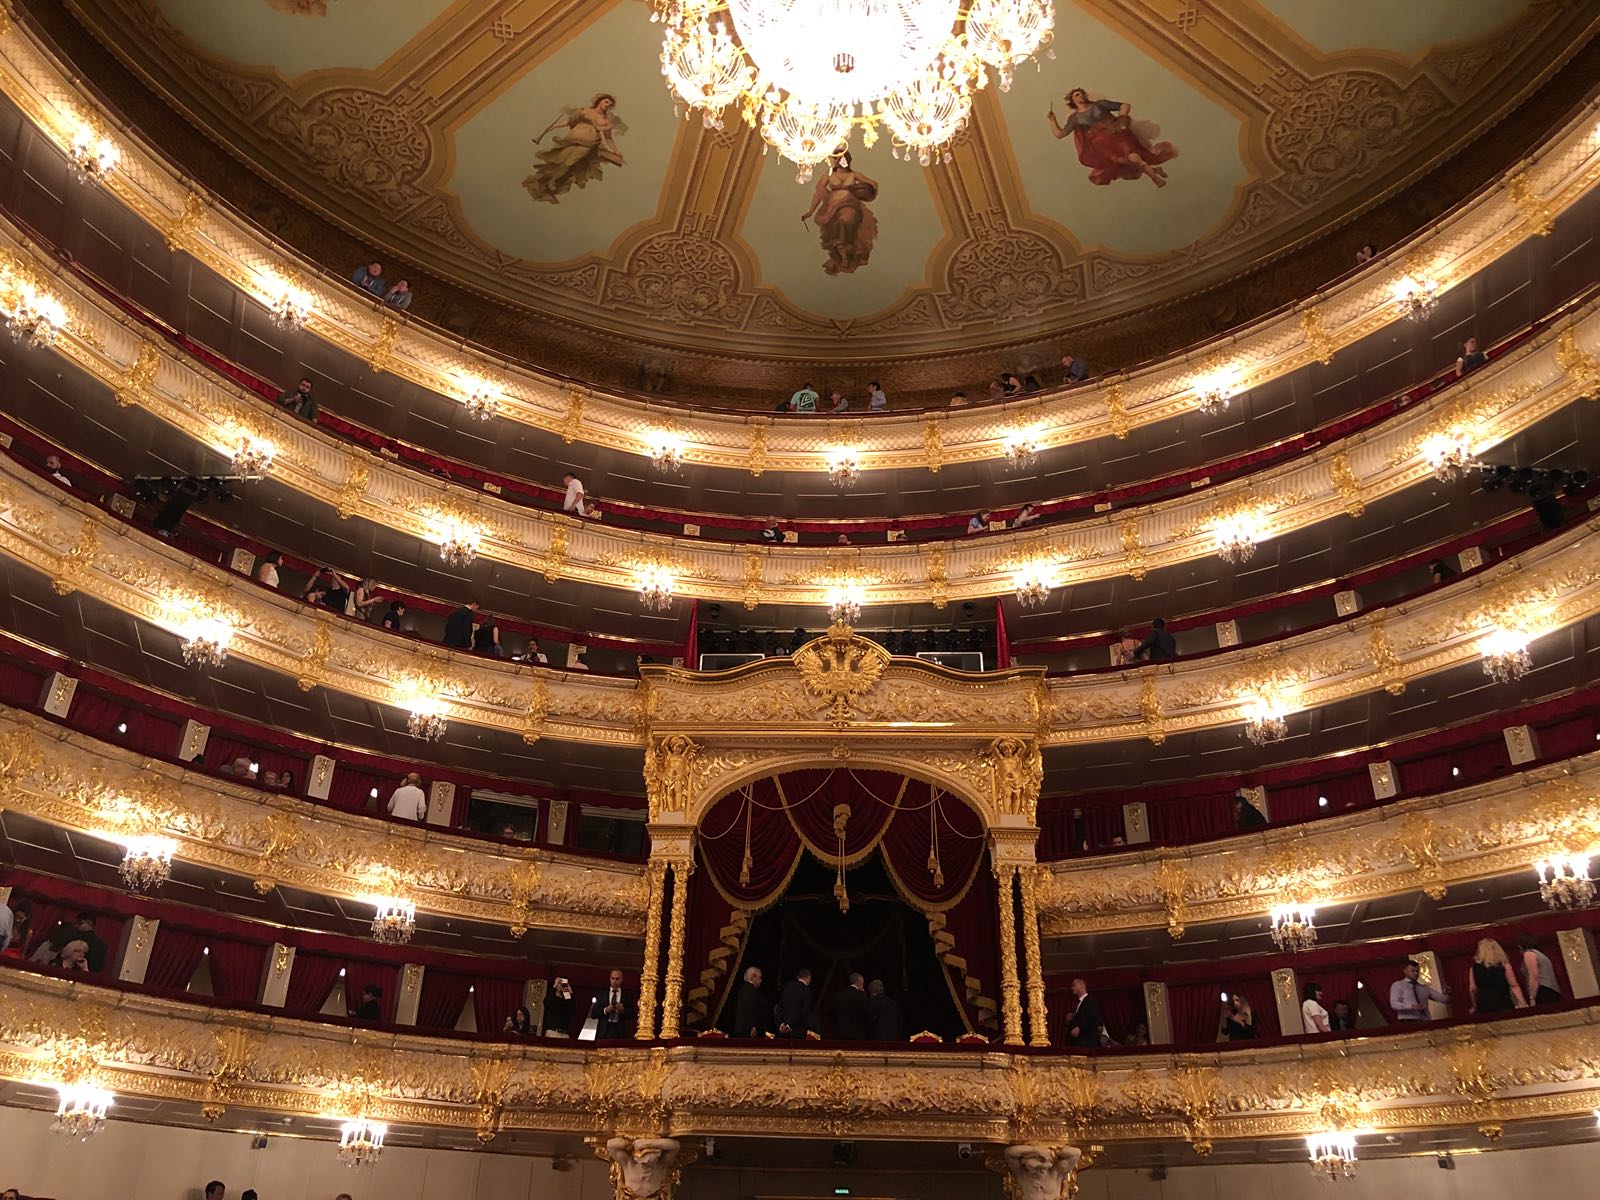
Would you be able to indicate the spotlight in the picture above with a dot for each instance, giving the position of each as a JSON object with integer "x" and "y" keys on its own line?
{"x": 968, "y": 610}
{"x": 1446, "y": 1161}
{"x": 714, "y": 613}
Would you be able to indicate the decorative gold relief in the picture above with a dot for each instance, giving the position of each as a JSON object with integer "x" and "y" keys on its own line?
{"x": 758, "y": 449}
{"x": 1117, "y": 412}
{"x": 840, "y": 668}
{"x": 1582, "y": 368}
{"x": 752, "y": 583}
{"x": 670, "y": 764}
{"x": 572, "y": 423}
{"x": 1345, "y": 483}
{"x": 180, "y": 230}
{"x": 1155, "y": 723}
{"x": 1383, "y": 656}
{"x": 381, "y": 351}
{"x": 1132, "y": 547}
{"x": 353, "y": 490}
{"x": 933, "y": 444}
{"x": 140, "y": 376}
{"x": 1316, "y": 336}
{"x": 1017, "y": 772}
{"x": 937, "y": 577}
{"x": 555, "y": 555}
{"x": 1533, "y": 209}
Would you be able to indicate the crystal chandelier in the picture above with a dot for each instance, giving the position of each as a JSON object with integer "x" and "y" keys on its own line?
{"x": 205, "y": 640}
{"x": 1294, "y": 927}
{"x": 459, "y": 539}
{"x": 807, "y": 74}
{"x": 843, "y": 469}
{"x": 1033, "y": 585}
{"x": 1446, "y": 454}
{"x": 394, "y": 920}
{"x": 1265, "y": 720}
{"x": 147, "y": 861}
{"x": 80, "y": 1110}
{"x": 1505, "y": 654}
{"x": 290, "y": 308}
{"x": 1333, "y": 1154}
{"x": 32, "y": 315}
{"x": 666, "y": 452}
{"x": 1564, "y": 881}
{"x": 1416, "y": 297}
{"x": 844, "y": 603}
{"x": 482, "y": 399}
{"x": 656, "y": 586}
{"x": 92, "y": 155}
{"x": 426, "y": 720}
{"x": 361, "y": 1141}
{"x": 1022, "y": 450}
{"x": 1237, "y": 534}
{"x": 252, "y": 456}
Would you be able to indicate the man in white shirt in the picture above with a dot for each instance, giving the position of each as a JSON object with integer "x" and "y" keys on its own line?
{"x": 408, "y": 802}
{"x": 573, "y": 502}
{"x": 52, "y": 463}
{"x": 1409, "y": 996}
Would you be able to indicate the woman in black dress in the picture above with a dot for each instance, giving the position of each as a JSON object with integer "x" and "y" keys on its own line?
{"x": 1493, "y": 985}
{"x": 520, "y": 1025}
{"x": 1238, "y": 1019}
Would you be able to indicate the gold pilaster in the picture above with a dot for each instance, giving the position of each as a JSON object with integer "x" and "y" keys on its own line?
{"x": 1010, "y": 989}
{"x": 1038, "y": 1015}
{"x": 672, "y": 1003}
{"x": 655, "y": 880}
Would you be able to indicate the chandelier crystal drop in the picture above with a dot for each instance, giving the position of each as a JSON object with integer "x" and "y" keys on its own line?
{"x": 809, "y": 74}
{"x": 147, "y": 861}
{"x": 844, "y": 603}
{"x": 1333, "y": 1154}
{"x": 1505, "y": 654}
{"x": 1294, "y": 927}
{"x": 80, "y": 1110}
{"x": 361, "y": 1141}
{"x": 844, "y": 469}
{"x": 1564, "y": 882}
{"x": 656, "y": 586}
{"x": 394, "y": 920}
{"x": 92, "y": 155}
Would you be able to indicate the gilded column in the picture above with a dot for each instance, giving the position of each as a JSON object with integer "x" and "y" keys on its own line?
{"x": 672, "y": 1003}
{"x": 1038, "y": 1015}
{"x": 1010, "y": 990}
{"x": 655, "y": 877}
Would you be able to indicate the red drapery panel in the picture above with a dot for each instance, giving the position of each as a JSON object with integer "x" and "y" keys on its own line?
{"x": 716, "y": 936}
{"x": 311, "y": 980}
{"x": 493, "y": 1000}
{"x": 444, "y": 995}
{"x": 236, "y": 969}
{"x": 174, "y": 957}
{"x": 359, "y": 972}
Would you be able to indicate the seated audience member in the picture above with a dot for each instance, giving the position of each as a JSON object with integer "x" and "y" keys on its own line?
{"x": 1159, "y": 645}
{"x": 1439, "y": 571}
{"x": 286, "y": 781}
{"x": 1139, "y": 1037}
{"x": 1238, "y": 1020}
{"x": 805, "y": 400}
{"x": 520, "y": 1025}
{"x": 370, "y": 1008}
{"x": 877, "y": 400}
{"x": 783, "y": 406}
{"x": 399, "y": 296}
{"x": 394, "y": 615}
{"x": 573, "y": 501}
{"x": 1010, "y": 384}
{"x": 1492, "y": 985}
{"x": 1342, "y": 1016}
{"x": 557, "y": 1019}
{"x": 1122, "y": 650}
{"x": 979, "y": 522}
{"x": 997, "y": 390}
{"x": 886, "y": 1021}
{"x": 52, "y": 463}
{"x": 74, "y": 956}
{"x": 1312, "y": 1015}
{"x": 536, "y": 655}
{"x": 299, "y": 400}
{"x": 11, "y": 1194}
{"x": 1245, "y": 814}
{"x": 1026, "y": 516}
{"x": 1538, "y": 972}
{"x": 1409, "y": 996}
{"x": 369, "y": 278}
{"x": 1471, "y": 357}
{"x": 267, "y": 572}
{"x": 79, "y": 929}
{"x": 1074, "y": 369}
{"x": 486, "y": 639}
{"x": 458, "y": 626}
{"x": 837, "y": 403}
{"x": 269, "y": 780}
{"x": 959, "y": 400}
{"x": 409, "y": 802}
{"x": 1366, "y": 254}
{"x": 1031, "y": 384}
{"x": 771, "y": 532}
{"x": 248, "y": 1194}
{"x": 365, "y": 599}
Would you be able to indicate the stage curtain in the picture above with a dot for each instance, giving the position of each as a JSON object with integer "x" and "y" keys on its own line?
{"x": 311, "y": 980}
{"x": 235, "y": 969}
{"x": 174, "y": 958}
{"x": 493, "y": 1000}
{"x": 444, "y": 995}
{"x": 359, "y": 972}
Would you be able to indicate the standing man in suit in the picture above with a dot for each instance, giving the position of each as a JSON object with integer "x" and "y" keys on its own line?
{"x": 613, "y": 1010}
{"x": 1086, "y": 1019}
{"x": 750, "y": 1009}
{"x": 793, "y": 1016}
{"x": 458, "y": 626}
{"x": 1159, "y": 646}
{"x": 886, "y": 1023}
{"x": 852, "y": 1015}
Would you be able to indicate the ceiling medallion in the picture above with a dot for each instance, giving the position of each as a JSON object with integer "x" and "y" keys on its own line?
{"x": 147, "y": 861}
{"x": 1564, "y": 881}
{"x": 1505, "y": 654}
{"x": 1294, "y": 927}
{"x": 394, "y": 920}
{"x": 844, "y": 468}
{"x": 361, "y": 1141}
{"x": 656, "y": 585}
{"x": 92, "y": 155}
{"x": 808, "y": 75}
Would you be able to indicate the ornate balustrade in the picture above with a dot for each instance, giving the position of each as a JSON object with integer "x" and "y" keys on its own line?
{"x": 1482, "y": 1073}
{"x": 1511, "y": 394}
{"x": 1526, "y": 204}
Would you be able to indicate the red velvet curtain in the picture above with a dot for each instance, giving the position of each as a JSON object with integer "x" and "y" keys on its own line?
{"x": 174, "y": 957}
{"x": 311, "y": 980}
{"x": 359, "y": 972}
{"x": 1196, "y": 1012}
{"x": 236, "y": 969}
{"x": 493, "y": 1000}
{"x": 444, "y": 995}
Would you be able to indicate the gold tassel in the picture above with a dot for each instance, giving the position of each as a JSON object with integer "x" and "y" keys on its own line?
{"x": 841, "y": 818}
{"x": 934, "y": 867}
{"x": 745, "y": 865}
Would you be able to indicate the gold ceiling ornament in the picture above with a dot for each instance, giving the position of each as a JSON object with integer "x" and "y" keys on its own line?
{"x": 840, "y": 668}
{"x": 34, "y": 316}
{"x": 807, "y": 80}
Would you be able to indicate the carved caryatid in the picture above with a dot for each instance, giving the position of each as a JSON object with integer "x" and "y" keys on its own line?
{"x": 669, "y": 765}
{"x": 1041, "y": 1172}
{"x": 840, "y": 669}
{"x": 642, "y": 1168}
{"x": 1017, "y": 771}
